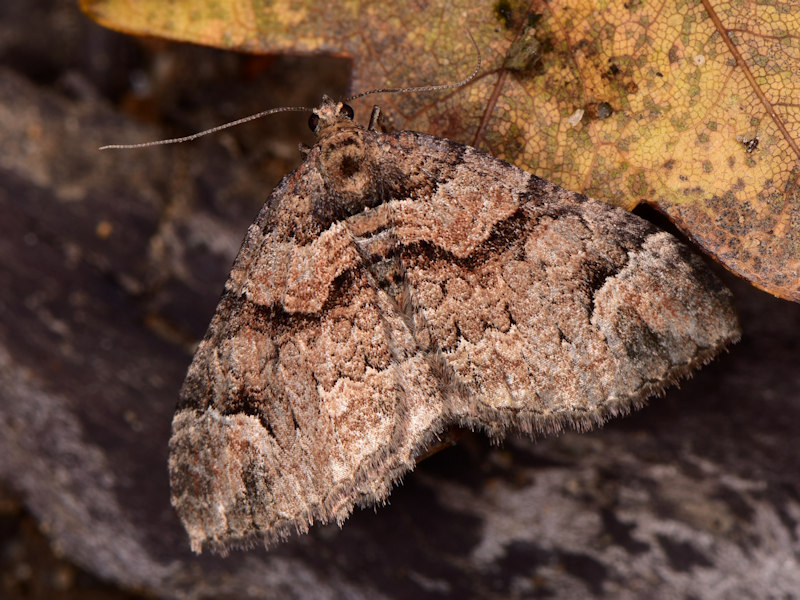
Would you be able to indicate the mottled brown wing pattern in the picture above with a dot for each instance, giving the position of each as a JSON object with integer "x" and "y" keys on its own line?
{"x": 397, "y": 284}
{"x": 564, "y": 312}
{"x": 303, "y": 415}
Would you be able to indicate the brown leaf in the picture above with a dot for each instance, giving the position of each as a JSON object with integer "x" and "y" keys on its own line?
{"x": 690, "y": 108}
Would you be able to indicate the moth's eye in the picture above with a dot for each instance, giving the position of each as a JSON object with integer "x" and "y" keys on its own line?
{"x": 313, "y": 122}
{"x": 347, "y": 111}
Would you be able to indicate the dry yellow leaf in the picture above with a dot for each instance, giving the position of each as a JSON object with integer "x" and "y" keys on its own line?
{"x": 691, "y": 106}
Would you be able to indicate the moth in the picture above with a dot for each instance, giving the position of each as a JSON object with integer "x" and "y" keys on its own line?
{"x": 398, "y": 284}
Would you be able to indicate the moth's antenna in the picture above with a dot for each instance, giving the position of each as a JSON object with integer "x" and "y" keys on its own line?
{"x": 271, "y": 111}
{"x": 194, "y": 136}
{"x": 427, "y": 88}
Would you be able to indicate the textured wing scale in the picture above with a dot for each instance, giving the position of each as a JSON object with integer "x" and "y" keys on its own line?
{"x": 471, "y": 293}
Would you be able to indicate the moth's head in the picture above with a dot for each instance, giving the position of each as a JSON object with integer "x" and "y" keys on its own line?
{"x": 329, "y": 113}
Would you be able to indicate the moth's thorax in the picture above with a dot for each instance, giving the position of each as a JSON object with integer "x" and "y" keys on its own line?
{"x": 346, "y": 157}
{"x": 343, "y": 158}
